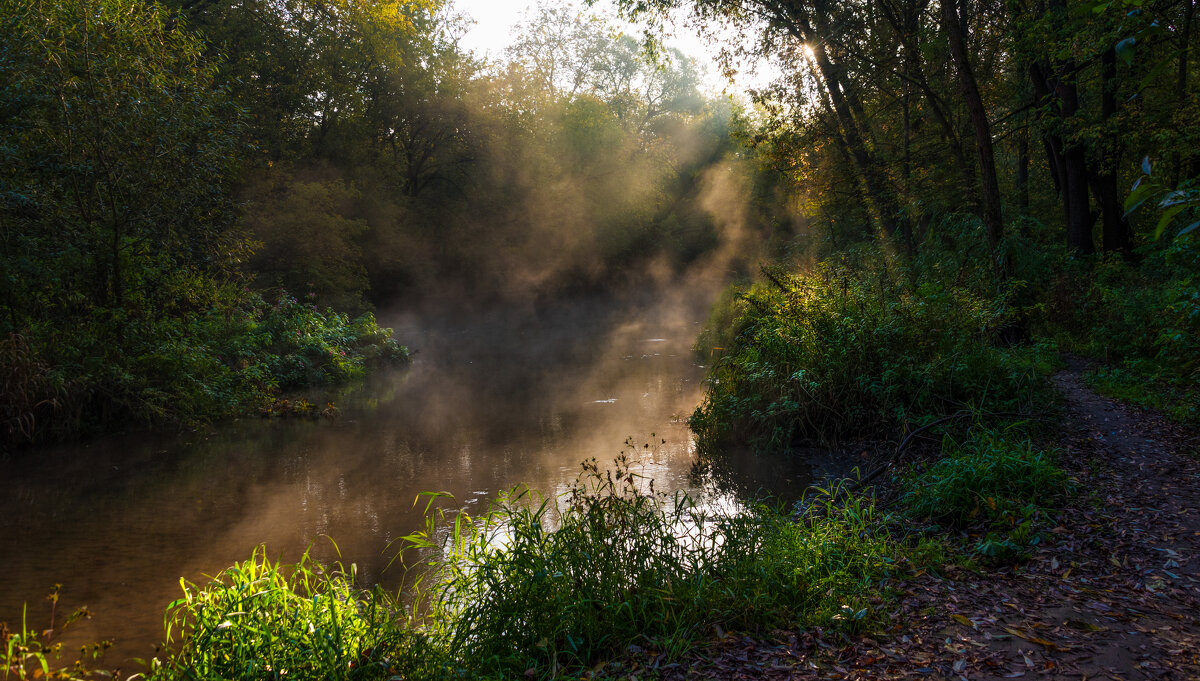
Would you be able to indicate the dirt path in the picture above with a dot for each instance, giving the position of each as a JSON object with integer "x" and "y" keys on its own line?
{"x": 1115, "y": 596}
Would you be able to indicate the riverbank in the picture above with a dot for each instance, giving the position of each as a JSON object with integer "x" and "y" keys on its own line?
{"x": 233, "y": 356}
{"x": 1113, "y": 593}
{"x": 633, "y": 581}
{"x": 1104, "y": 584}
{"x": 488, "y": 402}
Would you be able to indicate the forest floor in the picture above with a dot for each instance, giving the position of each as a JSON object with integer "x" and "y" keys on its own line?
{"x": 1114, "y": 595}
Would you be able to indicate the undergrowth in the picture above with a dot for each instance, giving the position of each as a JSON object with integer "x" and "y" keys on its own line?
{"x": 998, "y": 484}
{"x": 267, "y": 620}
{"x": 858, "y": 351}
{"x": 624, "y": 566}
{"x": 231, "y": 354}
{"x": 545, "y": 588}
{"x": 536, "y": 589}
{"x": 26, "y": 653}
{"x": 1140, "y": 320}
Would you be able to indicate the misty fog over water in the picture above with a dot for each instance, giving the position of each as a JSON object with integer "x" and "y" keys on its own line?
{"x": 492, "y": 400}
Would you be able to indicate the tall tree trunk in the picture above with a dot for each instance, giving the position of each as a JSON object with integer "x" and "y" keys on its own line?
{"x": 906, "y": 168}
{"x": 1067, "y": 163}
{"x": 907, "y": 25}
{"x": 1181, "y": 79}
{"x": 878, "y": 194}
{"x": 1022, "y": 180}
{"x": 118, "y": 288}
{"x": 1185, "y": 39}
{"x": 1117, "y": 233}
{"x": 1051, "y": 142}
{"x": 993, "y": 219}
{"x": 1079, "y": 211}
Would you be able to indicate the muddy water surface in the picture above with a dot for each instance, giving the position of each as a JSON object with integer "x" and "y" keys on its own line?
{"x": 491, "y": 400}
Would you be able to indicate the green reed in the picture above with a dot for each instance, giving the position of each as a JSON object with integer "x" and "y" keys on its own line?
{"x": 540, "y": 588}
{"x": 532, "y": 588}
{"x": 267, "y": 620}
{"x": 28, "y": 654}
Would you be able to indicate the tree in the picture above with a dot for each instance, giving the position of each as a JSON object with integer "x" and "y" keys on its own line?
{"x": 953, "y": 19}
{"x": 123, "y": 149}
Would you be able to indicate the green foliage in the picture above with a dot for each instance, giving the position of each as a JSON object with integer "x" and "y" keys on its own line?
{"x": 100, "y": 210}
{"x": 989, "y": 479}
{"x": 1178, "y": 208}
{"x": 724, "y": 325}
{"x": 1146, "y": 387}
{"x": 846, "y": 351}
{"x": 31, "y": 392}
{"x": 529, "y": 586}
{"x": 26, "y": 654}
{"x": 539, "y": 589}
{"x": 267, "y": 620}
{"x": 1143, "y": 320}
{"x": 531, "y": 589}
{"x": 309, "y": 241}
{"x": 305, "y": 346}
{"x": 121, "y": 298}
{"x": 993, "y": 483}
{"x": 232, "y": 354}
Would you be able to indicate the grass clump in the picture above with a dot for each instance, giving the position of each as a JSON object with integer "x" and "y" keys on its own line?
{"x": 847, "y": 351}
{"x": 990, "y": 482}
{"x": 266, "y": 620}
{"x": 27, "y": 654}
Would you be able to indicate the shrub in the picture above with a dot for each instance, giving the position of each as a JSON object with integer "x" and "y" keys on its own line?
{"x": 229, "y": 352}
{"x": 1143, "y": 320}
{"x": 851, "y": 352}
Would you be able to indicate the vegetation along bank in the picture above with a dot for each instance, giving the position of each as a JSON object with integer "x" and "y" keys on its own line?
{"x": 979, "y": 229}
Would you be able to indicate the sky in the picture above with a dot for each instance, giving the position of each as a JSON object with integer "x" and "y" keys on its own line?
{"x": 495, "y": 19}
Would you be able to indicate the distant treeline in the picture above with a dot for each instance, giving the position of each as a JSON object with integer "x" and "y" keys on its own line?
{"x": 187, "y": 187}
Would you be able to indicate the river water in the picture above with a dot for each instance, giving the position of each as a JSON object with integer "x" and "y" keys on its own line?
{"x": 490, "y": 401}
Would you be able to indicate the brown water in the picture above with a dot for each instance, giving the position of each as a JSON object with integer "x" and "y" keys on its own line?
{"x": 490, "y": 401}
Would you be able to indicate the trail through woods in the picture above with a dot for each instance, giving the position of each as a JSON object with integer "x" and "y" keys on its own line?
{"x": 1114, "y": 595}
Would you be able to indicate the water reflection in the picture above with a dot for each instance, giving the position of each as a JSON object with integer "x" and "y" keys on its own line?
{"x": 489, "y": 402}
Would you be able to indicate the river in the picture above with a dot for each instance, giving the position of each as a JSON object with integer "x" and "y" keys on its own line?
{"x": 490, "y": 400}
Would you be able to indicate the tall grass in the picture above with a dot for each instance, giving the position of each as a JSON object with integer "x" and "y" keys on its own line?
{"x": 546, "y": 588}
{"x": 530, "y": 587}
{"x": 266, "y": 620}
{"x": 535, "y": 588}
{"x": 29, "y": 654}
{"x": 995, "y": 484}
{"x": 986, "y": 478}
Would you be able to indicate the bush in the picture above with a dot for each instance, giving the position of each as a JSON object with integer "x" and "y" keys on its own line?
{"x": 1143, "y": 320}
{"x": 232, "y": 352}
{"x": 851, "y": 352}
